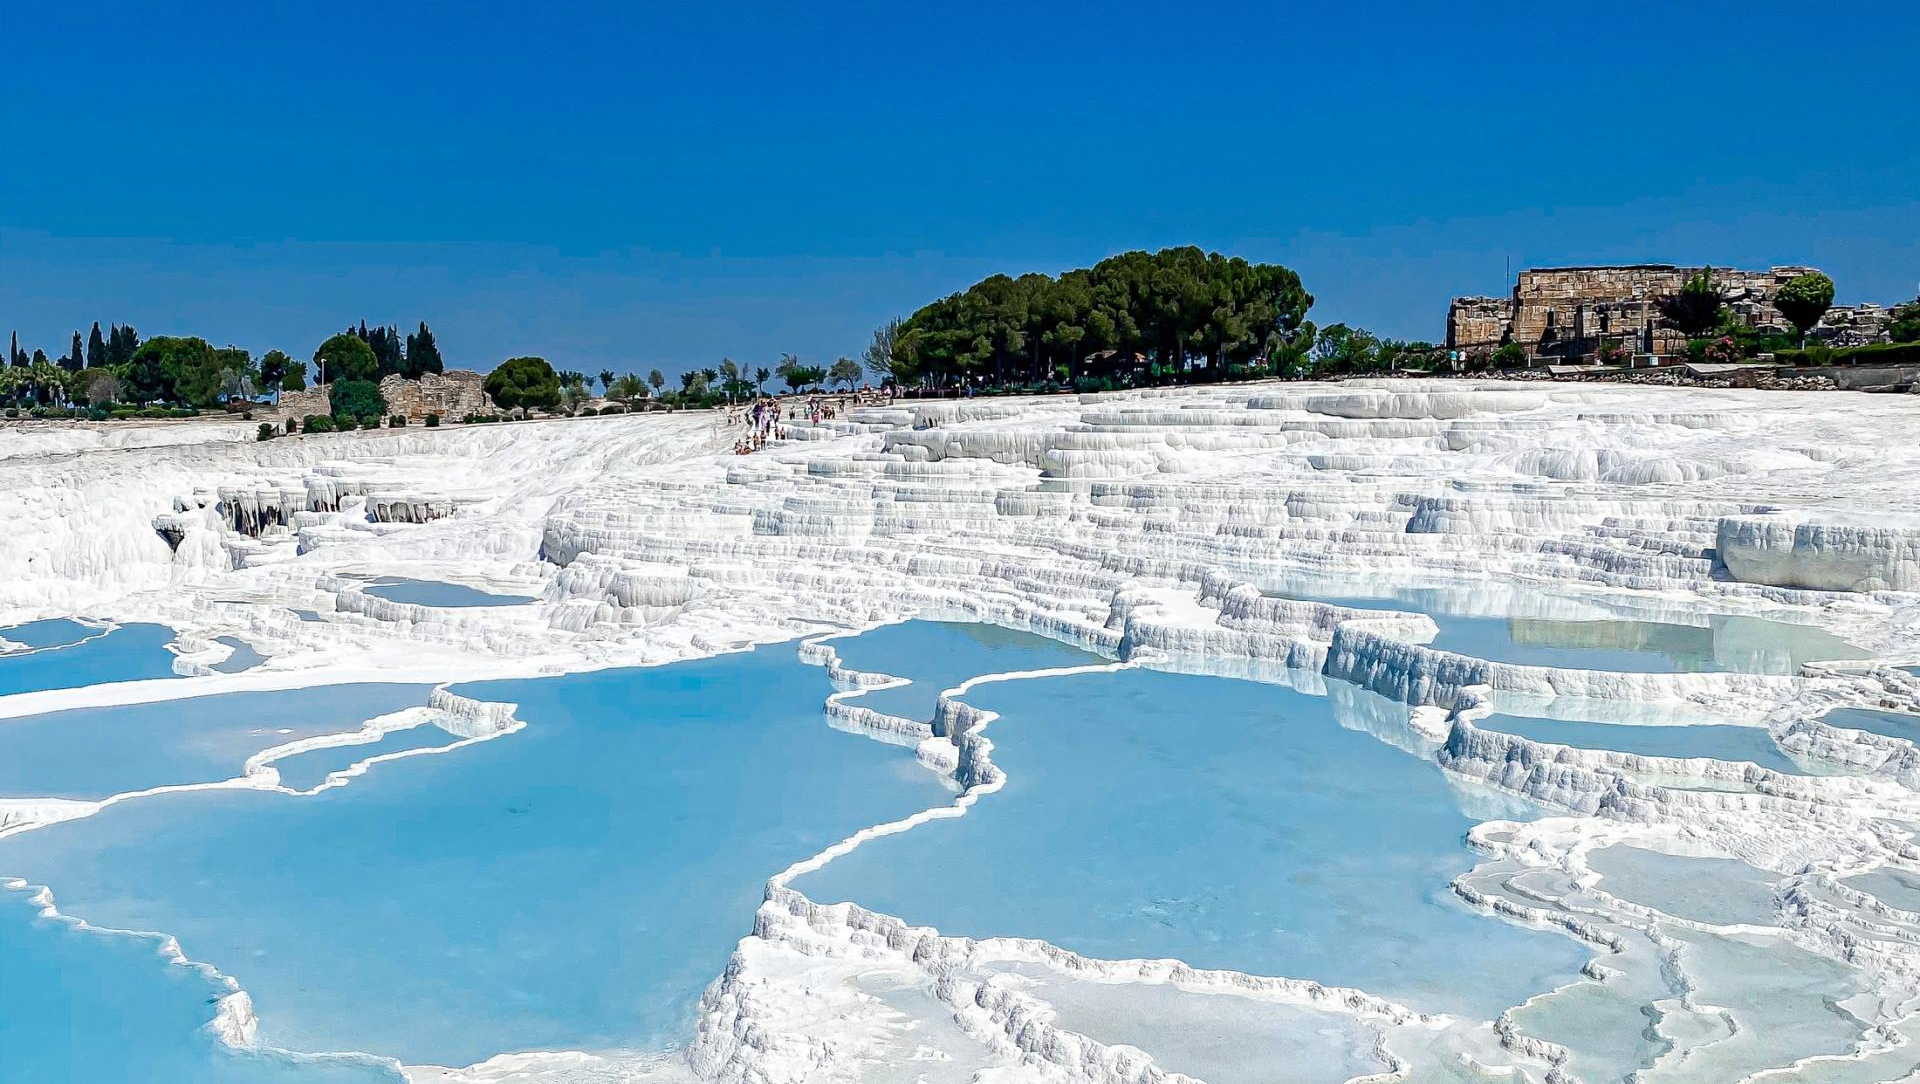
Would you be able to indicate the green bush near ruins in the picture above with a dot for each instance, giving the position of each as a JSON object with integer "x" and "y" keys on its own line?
{"x": 356, "y": 399}
{"x": 1905, "y": 325}
{"x": 1906, "y": 353}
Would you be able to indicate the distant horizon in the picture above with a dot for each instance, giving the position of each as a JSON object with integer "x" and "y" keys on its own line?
{"x": 623, "y": 202}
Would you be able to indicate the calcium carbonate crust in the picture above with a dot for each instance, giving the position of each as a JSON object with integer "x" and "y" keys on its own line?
{"x": 1144, "y": 527}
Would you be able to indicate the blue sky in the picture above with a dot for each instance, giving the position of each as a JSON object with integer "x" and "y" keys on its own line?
{"x": 628, "y": 186}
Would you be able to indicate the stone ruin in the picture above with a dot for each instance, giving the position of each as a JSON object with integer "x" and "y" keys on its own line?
{"x": 1570, "y": 312}
{"x": 453, "y": 395}
{"x": 1852, "y": 325}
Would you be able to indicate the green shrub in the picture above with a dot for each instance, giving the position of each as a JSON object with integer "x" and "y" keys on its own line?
{"x": 13, "y": 412}
{"x": 98, "y": 414}
{"x": 370, "y": 421}
{"x": 267, "y": 432}
{"x": 318, "y": 423}
{"x": 613, "y": 408}
{"x": 396, "y": 421}
{"x": 433, "y": 421}
{"x": 122, "y": 413}
{"x": 355, "y": 399}
{"x": 1873, "y": 354}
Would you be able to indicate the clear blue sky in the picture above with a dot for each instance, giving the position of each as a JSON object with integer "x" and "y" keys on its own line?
{"x": 637, "y": 185}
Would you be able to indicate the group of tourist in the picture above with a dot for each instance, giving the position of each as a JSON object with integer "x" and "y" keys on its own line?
{"x": 761, "y": 418}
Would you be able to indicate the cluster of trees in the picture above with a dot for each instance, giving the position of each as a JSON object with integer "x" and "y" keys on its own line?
{"x": 362, "y": 353}
{"x": 1176, "y": 315}
{"x": 116, "y": 366}
{"x": 524, "y": 384}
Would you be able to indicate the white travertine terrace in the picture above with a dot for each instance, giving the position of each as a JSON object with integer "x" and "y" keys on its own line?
{"x": 1143, "y": 526}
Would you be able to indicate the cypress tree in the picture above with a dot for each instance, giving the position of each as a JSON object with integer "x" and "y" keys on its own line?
{"x": 423, "y": 355}
{"x": 77, "y": 359}
{"x": 96, "y": 348}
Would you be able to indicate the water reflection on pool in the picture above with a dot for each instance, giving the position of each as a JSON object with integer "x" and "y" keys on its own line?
{"x": 1536, "y": 629}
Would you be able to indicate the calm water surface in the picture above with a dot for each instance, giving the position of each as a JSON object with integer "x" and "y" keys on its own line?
{"x": 574, "y": 885}
{"x": 1225, "y": 823}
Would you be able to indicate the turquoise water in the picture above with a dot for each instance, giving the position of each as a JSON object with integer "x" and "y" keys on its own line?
{"x": 437, "y": 593}
{"x": 127, "y": 653}
{"x": 244, "y": 657}
{"x": 574, "y": 885}
{"x": 88, "y": 1008}
{"x": 1224, "y": 823}
{"x": 53, "y": 632}
{"x": 1626, "y": 645}
{"x": 1891, "y": 724}
{"x": 1722, "y": 891}
{"x": 96, "y": 752}
{"x": 937, "y": 655}
{"x": 304, "y": 771}
{"x": 1747, "y": 743}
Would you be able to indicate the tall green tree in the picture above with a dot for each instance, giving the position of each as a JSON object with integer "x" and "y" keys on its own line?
{"x": 122, "y": 343}
{"x": 423, "y": 354}
{"x": 1803, "y": 300}
{"x": 273, "y": 369}
{"x": 845, "y": 371}
{"x": 657, "y": 379}
{"x": 178, "y": 369}
{"x": 345, "y": 356}
{"x": 96, "y": 348}
{"x": 239, "y": 378}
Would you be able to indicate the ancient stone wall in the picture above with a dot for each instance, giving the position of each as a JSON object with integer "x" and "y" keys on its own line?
{"x": 1852, "y": 325}
{"x": 299, "y": 404}
{"x": 453, "y": 395}
{"x": 1568, "y": 312}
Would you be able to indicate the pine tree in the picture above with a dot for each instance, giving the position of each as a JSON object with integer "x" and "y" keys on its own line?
{"x": 96, "y": 348}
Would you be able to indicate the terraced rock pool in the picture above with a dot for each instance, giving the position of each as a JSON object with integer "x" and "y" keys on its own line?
{"x": 573, "y": 885}
{"x": 1229, "y": 824}
{"x": 1579, "y": 634}
{"x": 125, "y": 653}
